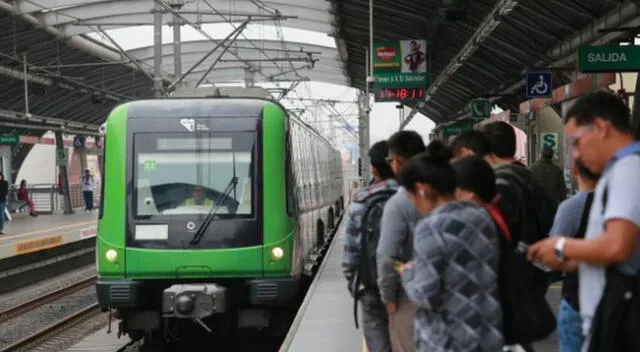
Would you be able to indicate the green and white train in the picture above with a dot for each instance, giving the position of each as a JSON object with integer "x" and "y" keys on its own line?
{"x": 272, "y": 188}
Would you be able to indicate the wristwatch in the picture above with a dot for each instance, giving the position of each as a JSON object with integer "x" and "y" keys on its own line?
{"x": 559, "y": 249}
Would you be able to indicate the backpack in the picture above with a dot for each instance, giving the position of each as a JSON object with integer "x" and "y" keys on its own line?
{"x": 367, "y": 274}
{"x": 527, "y": 316}
{"x": 538, "y": 207}
{"x": 370, "y": 236}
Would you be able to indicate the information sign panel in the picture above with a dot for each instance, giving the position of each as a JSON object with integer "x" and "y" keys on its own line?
{"x": 550, "y": 140}
{"x": 62, "y": 158}
{"x": 539, "y": 84}
{"x": 609, "y": 58}
{"x": 9, "y": 139}
{"x": 457, "y": 128}
{"x": 481, "y": 108}
{"x": 400, "y": 69}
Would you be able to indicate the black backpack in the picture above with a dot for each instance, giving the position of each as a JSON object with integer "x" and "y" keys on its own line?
{"x": 527, "y": 316}
{"x": 367, "y": 274}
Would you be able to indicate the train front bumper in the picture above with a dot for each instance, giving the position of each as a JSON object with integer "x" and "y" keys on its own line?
{"x": 124, "y": 293}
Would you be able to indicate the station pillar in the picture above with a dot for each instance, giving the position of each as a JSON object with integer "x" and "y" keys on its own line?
{"x": 363, "y": 136}
{"x": 68, "y": 209}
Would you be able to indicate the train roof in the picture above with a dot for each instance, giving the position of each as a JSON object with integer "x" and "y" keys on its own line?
{"x": 237, "y": 107}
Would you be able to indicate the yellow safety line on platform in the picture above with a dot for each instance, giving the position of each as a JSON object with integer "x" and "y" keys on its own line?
{"x": 20, "y": 235}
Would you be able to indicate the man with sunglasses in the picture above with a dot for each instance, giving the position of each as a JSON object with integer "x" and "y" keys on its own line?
{"x": 599, "y": 132}
{"x": 398, "y": 219}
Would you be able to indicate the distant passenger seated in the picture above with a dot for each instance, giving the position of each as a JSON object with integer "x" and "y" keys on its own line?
{"x": 199, "y": 197}
{"x": 23, "y": 196}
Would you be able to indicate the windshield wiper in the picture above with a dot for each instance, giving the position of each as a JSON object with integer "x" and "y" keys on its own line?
{"x": 212, "y": 213}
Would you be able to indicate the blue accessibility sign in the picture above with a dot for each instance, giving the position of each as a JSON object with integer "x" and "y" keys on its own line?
{"x": 539, "y": 84}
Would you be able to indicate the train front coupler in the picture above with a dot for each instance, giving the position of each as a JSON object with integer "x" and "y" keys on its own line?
{"x": 193, "y": 301}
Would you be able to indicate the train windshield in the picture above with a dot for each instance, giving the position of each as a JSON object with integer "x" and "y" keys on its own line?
{"x": 187, "y": 173}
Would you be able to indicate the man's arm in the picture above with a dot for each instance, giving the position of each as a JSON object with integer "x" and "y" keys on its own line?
{"x": 618, "y": 240}
{"x": 351, "y": 250}
{"x": 393, "y": 234}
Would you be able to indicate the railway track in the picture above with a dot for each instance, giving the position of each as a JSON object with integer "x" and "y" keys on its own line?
{"x": 49, "y": 297}
{"x": 45, "y": 333}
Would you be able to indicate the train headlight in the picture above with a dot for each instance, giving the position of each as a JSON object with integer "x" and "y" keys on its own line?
{"x": 111, "y": 255}
{"x": 277, "y": 253}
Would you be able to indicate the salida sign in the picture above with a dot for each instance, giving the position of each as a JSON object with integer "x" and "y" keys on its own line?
{"x": 609, "y": 58}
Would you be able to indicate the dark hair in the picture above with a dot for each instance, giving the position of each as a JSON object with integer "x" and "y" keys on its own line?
{"x": 474, "y": 140}
{"x": 547, "y": 153}
{"x": 474, "y": 174}
{"x": 438, "y": 149}
{"x": 377, "y": 156}
{"x": 583, "y": 171}
{"x": 406, "y": 144}
{"x": 429, "y": 169}
{"x": 601, "y": 104}
{"x": 23, "y": 182}
{"x": 502, "y": 138}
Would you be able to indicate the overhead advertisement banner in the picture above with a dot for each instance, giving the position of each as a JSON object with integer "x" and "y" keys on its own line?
{"x": 400, "y": 69}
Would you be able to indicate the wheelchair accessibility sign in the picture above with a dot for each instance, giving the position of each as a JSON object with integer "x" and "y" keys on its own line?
{"x": 539, "y": 84}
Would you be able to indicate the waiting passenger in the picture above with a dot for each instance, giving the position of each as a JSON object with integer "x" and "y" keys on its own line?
{"x": 452, "y": 278}
{"x": 470, "y": 143}
{"x": 599, "y": 132}
{"x": 550, "y": 176}
{"x": 199, "y": 197}
{"x": 23, "y": 196}
{"x": 571, "y": 220}
{"x": 529, "y": 213}
{"x": 4, "y": 191}
{"x": 396, "y": 240}
{"x": 515, "y": 202}
{"x": 88, "y": 186}
{"x": 361, "y": 240}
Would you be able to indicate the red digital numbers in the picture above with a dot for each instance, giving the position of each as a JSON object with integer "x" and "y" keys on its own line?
{"x": 400, "y": 94}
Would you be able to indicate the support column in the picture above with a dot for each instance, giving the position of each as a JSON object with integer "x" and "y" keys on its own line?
{"x": 363, "y": 136}
{"x": 157, "y": 50}
{"x": 177, "y": 47}
{"x": 62, "y": 169}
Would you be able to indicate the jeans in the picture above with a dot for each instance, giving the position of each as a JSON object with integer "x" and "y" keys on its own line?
{"x": 375, "y": 323}
{"x": 569, "y": 328}
{"x": 3, "y": 206}
{"x": 88, "y": 200}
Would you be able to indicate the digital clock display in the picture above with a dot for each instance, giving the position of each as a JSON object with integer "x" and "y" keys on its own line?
{"x": 399, "y": 94}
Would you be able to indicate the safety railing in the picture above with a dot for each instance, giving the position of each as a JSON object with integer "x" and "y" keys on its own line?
{"x": 48, "y": 198}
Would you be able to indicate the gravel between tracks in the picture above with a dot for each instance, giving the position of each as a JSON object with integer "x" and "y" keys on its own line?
{"x": 71, "y": 336}
{"x": 26, "y": 324}
{"x": 30, "y": 292}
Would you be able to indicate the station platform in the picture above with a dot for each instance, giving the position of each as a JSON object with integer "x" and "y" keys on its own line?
{"x": 325, "y": 319}
{"x": 28, "y": 234}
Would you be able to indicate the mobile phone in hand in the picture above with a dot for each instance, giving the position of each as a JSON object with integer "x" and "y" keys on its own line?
{"x": 398, "y": 263}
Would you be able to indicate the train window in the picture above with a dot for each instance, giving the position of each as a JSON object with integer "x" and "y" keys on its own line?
{"x": 290, "y": 179}
{"x": 103, "y": 170}
{"x": 179, "y": 173}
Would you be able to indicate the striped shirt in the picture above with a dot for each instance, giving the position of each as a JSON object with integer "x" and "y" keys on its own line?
{"x": 454, "y": 281}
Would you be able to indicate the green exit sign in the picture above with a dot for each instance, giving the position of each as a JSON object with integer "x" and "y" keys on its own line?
{"x": 609, "y": 58}
{"x": 9, "y": 139}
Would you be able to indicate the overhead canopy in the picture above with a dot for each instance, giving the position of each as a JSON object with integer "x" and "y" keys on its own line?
{"x": 74, "y": 77}
{"x": 327, "y": 69}
{"x": 84, "y": 16}
{"x": 484, "y": 53}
